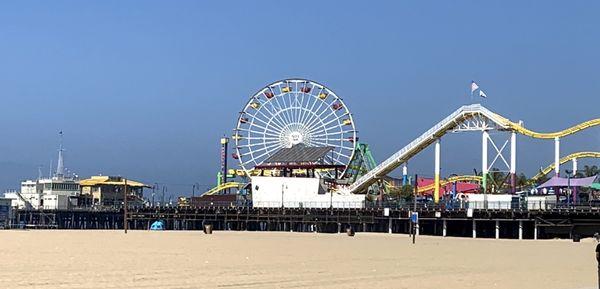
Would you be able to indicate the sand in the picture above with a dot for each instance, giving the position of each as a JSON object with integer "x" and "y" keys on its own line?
{"x": 190, "y": 259}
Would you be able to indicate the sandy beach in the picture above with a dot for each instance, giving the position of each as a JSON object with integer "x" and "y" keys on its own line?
{"x": 190, "y": 259}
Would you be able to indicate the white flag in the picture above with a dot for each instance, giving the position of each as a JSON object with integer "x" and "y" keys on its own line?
{"x": 474, "y": 86}
{"x": 482, "y": 94}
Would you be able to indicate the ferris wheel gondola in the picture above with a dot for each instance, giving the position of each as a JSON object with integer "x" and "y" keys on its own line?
{"x": 290, "y": 112}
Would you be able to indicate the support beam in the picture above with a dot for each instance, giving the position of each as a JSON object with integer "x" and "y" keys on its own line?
{"x": 513, "y": 162}
{"x": 575, "y": 187}
{"x": 404, "y": 175}
{"x": 484, "y": 160}
{"x": 436, "y": 190}
{"x": 444, "y": 228}
{"x": 417, "y": 229}
{"x": 557, "y": 156}
{"x": 474, "y": 229}
{"x": 497, "y": 229}
{"x": 390, "y": 225}
{"x": 535, "y": 230}
{"x": 520, "y": 230}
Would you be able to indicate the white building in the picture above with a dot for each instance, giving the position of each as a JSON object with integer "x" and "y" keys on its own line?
{"x": 57, "y": 192}
{"x": 301, "y": 176}
{"x": 296, "y": 192}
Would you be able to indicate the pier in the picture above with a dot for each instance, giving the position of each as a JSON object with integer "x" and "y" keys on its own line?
{"x": 572, "y": 222}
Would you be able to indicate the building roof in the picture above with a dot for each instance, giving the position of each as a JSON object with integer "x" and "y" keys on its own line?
{"x": 299, "y": 153}
{"x": 110, "y": 180}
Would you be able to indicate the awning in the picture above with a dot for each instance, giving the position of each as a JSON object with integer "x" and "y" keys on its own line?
{"x": 564, "y": 182}
{"x": 595, "y": 186}
{"x": 108, "y": 180}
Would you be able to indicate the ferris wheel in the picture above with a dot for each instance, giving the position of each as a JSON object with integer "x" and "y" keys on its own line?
{"x": 290, "y": 112}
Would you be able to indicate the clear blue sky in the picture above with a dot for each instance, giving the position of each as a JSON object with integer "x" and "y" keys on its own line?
{"x": 146, "y": 88}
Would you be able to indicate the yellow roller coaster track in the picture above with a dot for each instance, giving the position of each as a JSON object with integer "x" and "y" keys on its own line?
{"x": 563, "y": 160}
{"x": 550, "y": 135}
{"x": 224, "y": 186}
{"x": 453, "y": 179}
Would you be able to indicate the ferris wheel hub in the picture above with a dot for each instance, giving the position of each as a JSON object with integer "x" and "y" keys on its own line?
{"x": 295, "y": 138}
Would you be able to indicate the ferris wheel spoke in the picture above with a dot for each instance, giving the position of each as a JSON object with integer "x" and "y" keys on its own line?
{"x": 305, "y": 104}
{"x": 280, "y": 110}
{"x": 315, "y": 117}
{"x": 264, "y": 132}
{"x": 333, "y": 133}
{"x": 337, "y": 117}
{"x": 256, "y": 144}
{"x": 269, "y": 117}
{"x": 260, "y": 138}
{"x": 301, "y": 105}
{"x": 317, "y": 113}
{"x": 283, "y": 96}
{"x": 321, "y": 128}
{"x": 315, "y": 100}
{"x": 320, "y": 116}
{"x": 277, "y": 119}
{"x": 275, "y": 126}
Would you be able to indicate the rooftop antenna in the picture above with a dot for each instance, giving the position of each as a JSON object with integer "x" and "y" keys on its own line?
{"x": 60, "y": 167}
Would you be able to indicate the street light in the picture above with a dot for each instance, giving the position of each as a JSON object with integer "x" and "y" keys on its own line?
{"x": 569, "y": 172}
{"x": 125, "y": 225}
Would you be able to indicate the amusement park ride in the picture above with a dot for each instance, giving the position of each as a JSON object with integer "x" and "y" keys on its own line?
{"x": 289, "y": 118}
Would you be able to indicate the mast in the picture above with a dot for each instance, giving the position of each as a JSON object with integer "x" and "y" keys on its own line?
{"x": 60, "y": 167}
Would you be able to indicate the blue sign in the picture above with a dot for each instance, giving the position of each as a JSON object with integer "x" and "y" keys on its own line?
{"x": 414, "y": 217}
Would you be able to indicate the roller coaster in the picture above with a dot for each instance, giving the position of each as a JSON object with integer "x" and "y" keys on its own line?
{"x": 467, "y": 118}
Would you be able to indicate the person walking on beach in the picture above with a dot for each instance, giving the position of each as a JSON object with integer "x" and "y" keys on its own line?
{"x": 597, "y": 237}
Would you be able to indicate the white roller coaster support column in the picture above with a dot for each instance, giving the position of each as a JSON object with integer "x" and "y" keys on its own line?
{"x": 404, "y": 175}
{"x": 436, "y": 190}
{"x": 557, "y": 156}
{"x": 574, "y": 172}
{"x": 484, "y": 160}
{"x": 513, "y": 162}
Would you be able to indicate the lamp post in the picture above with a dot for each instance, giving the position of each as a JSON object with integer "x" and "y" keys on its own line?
{"x": 155, "y": 187}
{"x": 125, "y": 205}
{"x": 569, "y": 172}
{"x": 282, "y": 186}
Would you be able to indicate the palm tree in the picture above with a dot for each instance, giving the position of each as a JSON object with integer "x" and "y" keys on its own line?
{"x": 590, "y": 171}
